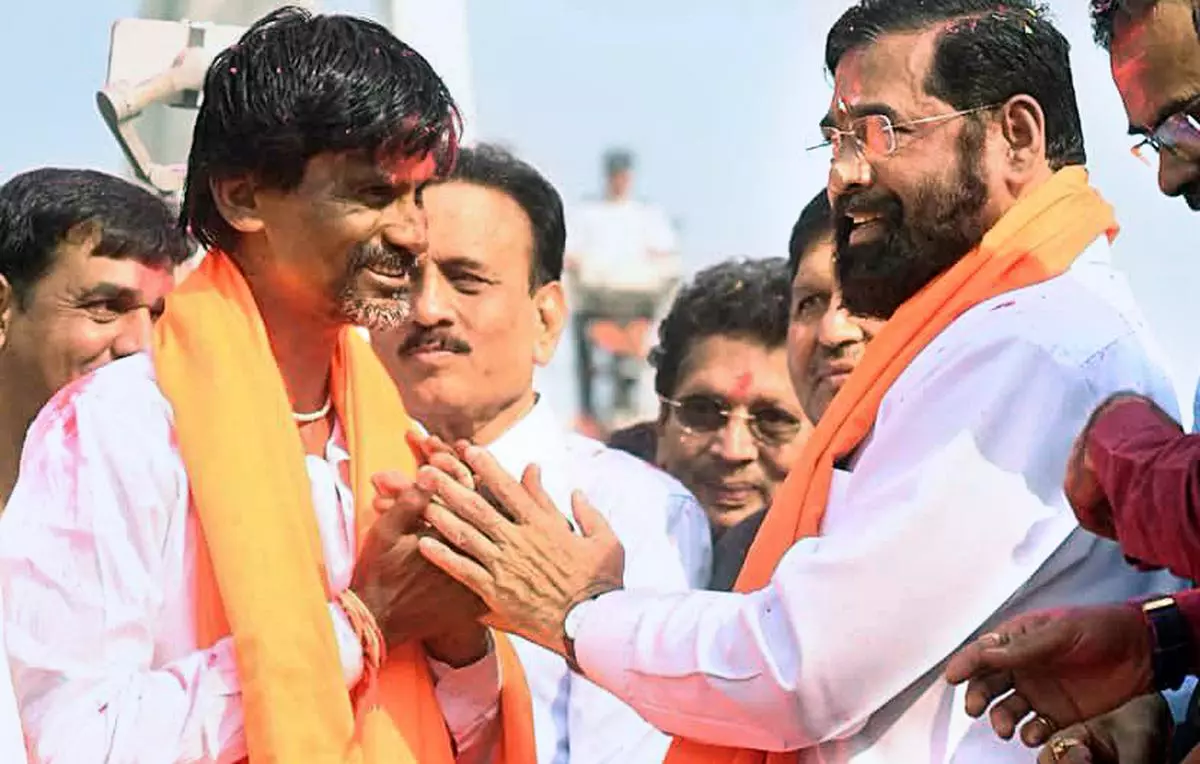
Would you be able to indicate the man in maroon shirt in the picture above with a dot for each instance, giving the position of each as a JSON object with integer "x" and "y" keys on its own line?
{"x": 1134, "y": 477}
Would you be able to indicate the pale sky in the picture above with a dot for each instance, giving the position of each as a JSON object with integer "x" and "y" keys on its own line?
{"x": 718, "y": 99}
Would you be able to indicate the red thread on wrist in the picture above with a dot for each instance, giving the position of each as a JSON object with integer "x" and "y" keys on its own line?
{"x": 370, "y": 637}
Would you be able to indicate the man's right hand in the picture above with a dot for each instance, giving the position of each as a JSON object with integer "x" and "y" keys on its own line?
{"x": 409, "y": 597}
{"x": 1139, "y": 731}
{"x": 1064, "y": 666}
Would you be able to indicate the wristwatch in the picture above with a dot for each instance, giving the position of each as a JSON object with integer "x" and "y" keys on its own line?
{"x": 571, "y": 624}
{"x": 1174, "y": 651}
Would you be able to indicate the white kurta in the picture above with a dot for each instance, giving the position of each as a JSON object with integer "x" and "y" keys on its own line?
{"x": 952, "y": 519}
{"x": 97, "y": 551}
{"x": 12, "y": 741}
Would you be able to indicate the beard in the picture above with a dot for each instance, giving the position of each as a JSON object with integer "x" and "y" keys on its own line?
{"x": 921, "y": 240}
{"x": 369, "y": 307}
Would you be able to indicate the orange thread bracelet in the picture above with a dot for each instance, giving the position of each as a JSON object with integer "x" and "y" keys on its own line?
{"x": 369, "y": 634}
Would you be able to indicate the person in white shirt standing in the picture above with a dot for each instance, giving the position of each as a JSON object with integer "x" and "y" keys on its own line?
{"x": 85, "y": 263}
{"x": 138, "y": 482}
{"x": 927, "y": 504}
{"x": 623, "y": 261}
{"x": 488, "y": 308}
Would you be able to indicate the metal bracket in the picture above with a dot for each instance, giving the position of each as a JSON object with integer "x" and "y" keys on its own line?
{"x": 121, "y": 103}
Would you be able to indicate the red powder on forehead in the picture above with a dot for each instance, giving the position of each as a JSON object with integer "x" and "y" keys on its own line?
{"x": 409, "y": 169}
{"x": 741, "y": 386}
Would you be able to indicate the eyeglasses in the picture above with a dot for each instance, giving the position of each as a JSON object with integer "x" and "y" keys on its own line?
{"x": 874, "y": 135}
{"x": 704, "y": 415}
{"x": 1178, "y": 134}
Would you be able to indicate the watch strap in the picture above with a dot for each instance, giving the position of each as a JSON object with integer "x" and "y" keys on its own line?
{"x": 1173, "y": 651}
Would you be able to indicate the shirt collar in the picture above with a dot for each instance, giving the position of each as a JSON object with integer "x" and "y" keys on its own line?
{"x": 535, "y": 438}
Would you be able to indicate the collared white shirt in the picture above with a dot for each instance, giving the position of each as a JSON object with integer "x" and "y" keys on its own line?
{"x": 951, "y": 520}
{"x": 97, "y": 551}
{"x": 12, "y": 740}
{"x": 668, "y": 547}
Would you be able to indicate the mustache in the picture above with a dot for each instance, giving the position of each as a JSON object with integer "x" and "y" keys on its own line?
{"x": 437, "y": 339}
{"x": 388, "y": 259}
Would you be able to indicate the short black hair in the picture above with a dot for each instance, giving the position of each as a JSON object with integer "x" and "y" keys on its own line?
{"x": 496, "y": 168}
{"x": 987, "y": 52}
{"x": 41, "y": 208}
{"x": 748, "y": 299}
{"x": 639, "y": 439}
{"x": 1106, "y": 12}
{"x": 814, "y": 224}
{"x": 297, "y": 85}
{"x": 617, "y": 160}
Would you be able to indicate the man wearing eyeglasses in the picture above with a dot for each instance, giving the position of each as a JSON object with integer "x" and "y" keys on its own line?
{"x": 927, "y": 503}
{"x": 1155, "y": 51}
{"x": 825, "y": 343}
{"x": 730, "y": 425}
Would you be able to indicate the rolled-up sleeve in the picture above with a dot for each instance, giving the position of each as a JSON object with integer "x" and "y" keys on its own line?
{"x": 1150, "y": 473}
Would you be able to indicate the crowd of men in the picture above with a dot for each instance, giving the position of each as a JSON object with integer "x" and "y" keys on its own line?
{"x": 924, "y": 470}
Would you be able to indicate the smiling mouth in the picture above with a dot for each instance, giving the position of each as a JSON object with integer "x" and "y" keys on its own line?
{"x": 436, "y": 347}
{"x": 388, "y": 273}
{"x": 397, "y": 283}
{"x": 427, "y": 349}
{"x": 865, "y": 226}
{"x": 735, "y": 493}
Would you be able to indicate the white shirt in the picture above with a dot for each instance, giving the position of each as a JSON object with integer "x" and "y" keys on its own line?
{"x": 952, "y": 520}
{"x": 97, "y": 551}
{"x": 624, "y": 245}
{"x": 668, "y": 547}
{"x": 12, "y": 740}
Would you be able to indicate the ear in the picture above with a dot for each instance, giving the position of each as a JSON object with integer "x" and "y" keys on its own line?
{"x": 550, "y": 312}
{"x": 8, "y": 305}
{"x": 238, "y": 204}
{"x": 1023, "y": 125}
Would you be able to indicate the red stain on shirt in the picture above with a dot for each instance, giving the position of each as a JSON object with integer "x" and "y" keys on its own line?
{"x": 60, "y": 412}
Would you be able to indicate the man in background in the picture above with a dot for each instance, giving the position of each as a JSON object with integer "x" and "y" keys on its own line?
{"x": 622, "y": 260}
{"x": 729, "y": 425}
{"x": 86, "y": 261}
{"x": 488, "y": 309}
{"x": 824, "y": 345}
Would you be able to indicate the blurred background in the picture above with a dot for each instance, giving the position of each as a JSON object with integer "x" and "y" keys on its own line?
{"x": 718, "y": 101}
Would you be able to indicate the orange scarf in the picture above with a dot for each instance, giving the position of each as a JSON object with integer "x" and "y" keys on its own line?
{"x": 260, "y": 571}
{"x": 1036, "y": 240}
